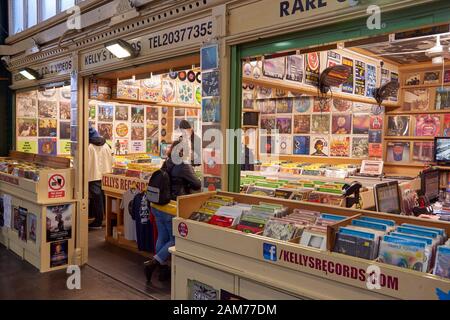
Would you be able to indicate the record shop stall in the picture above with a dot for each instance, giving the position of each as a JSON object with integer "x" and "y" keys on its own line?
{"x": 138, "y": 111}
{"x": 38, "y": 209}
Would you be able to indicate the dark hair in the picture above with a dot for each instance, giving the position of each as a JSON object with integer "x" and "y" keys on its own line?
{"x": 184, "y": 124}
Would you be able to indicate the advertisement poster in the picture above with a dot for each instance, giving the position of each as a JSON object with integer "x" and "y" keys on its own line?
{"x": 274, "y": 68}
{"x": 394, "y": 77}
{"x": 294, "y": 68}
{"x": 59, "y": 253}
{"x": 385, "y": 76}
{"x": 360, "y": 78}
{"x": 312, "y": 68}
{"x": 347, "y": 87}
{"x": 27, "y": 146}
{"x": 59, "y": 222}
{"x": 371, "y": 80}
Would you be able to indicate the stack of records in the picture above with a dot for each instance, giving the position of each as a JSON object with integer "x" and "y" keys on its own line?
{"x": 255, "y": 220}
{"x": 210, "y": 207}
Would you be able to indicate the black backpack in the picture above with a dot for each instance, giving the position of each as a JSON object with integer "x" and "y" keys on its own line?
{"x": 159, "y": 190}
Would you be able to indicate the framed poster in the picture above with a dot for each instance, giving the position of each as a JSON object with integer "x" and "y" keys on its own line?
{"x": 59, "y": 222}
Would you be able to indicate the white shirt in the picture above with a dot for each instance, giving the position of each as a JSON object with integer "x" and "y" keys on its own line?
{"x": 100, "y": 161}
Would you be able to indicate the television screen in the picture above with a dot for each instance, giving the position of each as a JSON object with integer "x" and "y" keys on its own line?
{"x": 442, "y": 150}
{"x": 387, "y": 198}
{"x": 430, "y": 184}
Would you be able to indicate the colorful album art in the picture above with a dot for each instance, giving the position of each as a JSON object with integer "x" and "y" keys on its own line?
{"x": 360, "y": 78}
{"x": 192, "y": 113}
{"x": 59, "y": 222}
{"x": 210, "y": 84}
{"x": 301, "y": 145}
{"x": 284, "y": 144}
{"x": 106, "y": 130}
{"x": 375, "y": 136}
{"x": 128, "y": 89}
{"x": 347, "y": 86}
{"x": 303, "y": 104}
{"x": 212, "y": 163}
{"x": 341, "y": 123}
{"x": 294, "y": 68}
{"x": 27, "y": 127}
{"x": 211, "y": 109}
{"x": 312, "y": 61}
{"x": 209, "y": 56}
{"x": 268, "y": 123}
{"x": 152, "y": 129}
{"x": 153, "y": 146}
{"x": 333, "y": 59}
{"x": 284, "y": 105}
{"x": 427, "y": 125}
{"x": 361, "y": 123}
{"x": 267, "y": 144}
{"x": 122, "y": 129}
{"x": 27, "y": 146}
{"x": 263, "y": 92}
{"x": 385, "y": 76}
{"x": 376, "y": 122}
{"x": 284, "y": 125}
{"x": 47, "y": 146}
{"x": 442, "y": 98}
{"x": 48, "y": 127}
{"x": 340, "y": 146}
{"x": 137, "y": 133}
{"x": 64, "y": 130}
{"x": 322, "y": 105}
{"x": 341, "y": 105}
{"x": 105, "y": 113}
{"x": 122, "y": 113}
{"x": 26, "y": 105}
{"x": 47, "y": 109}
{"x": 198, "y": 95}
{"x": 320, "y": 123}
{"x": 151, "y": 89}
{"x": 319, "y": 146}
{"x": 121, "y": 147}
{"x": 376, "y": 150}
{"x": 212, "y": 183}
{"x": 394, "y": 77}
{"x": 302, "y": 124}
{"x": 360, "y": 147}
{"x": 248, "y": 100}
{"x": 416, "y": 99}
{"x": 446, "y": 126}
{"x": 413, "y": 79}
{"x": 169, "y": 89}
{"x": 64, "y": 110}
{"x": 423, "y": 151}
{"x": 59, "y": 253}
{"x": 432, "y": 77}
{"x": 185, "y": 93}
{"x": 274, "y": 68}
{"x": 398, "y": 152}
{"x": 371, "y": 80}
{"x": 137, "y": 114}
{"x": 268, "y": 106}
{"x": 398, "y": 126}
{"x": 152, "y": 114}
{"x": 92, "y": 112}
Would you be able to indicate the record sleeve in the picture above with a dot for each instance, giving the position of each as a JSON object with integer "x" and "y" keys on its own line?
{"x": 427, "y": 125}
{"x": 394, "y": 77}
{"x": 416, "y": 99}
{"x": 432, "y": 77}
{"x": 360, "y": 147}
{"x": 320, "y": 123}
{"x": 284, "y": 125}
{"x": 268, "y": 123}
{"x": 423, "y": 151}
{"x": 303, "y": 104}
{"x": 274, "y": 68}
{"x": 398, "y": 126}
{"x": 376, "y": 122}
{"x": 301, "y": 145}
{"x": 342, "y": 105}
{"x": 340, "y": 146}
{"x": 263, "y": 92}
{"x": 375, "y": 136}
{"x": 375, "y": 150}
{"x": 446, "y": 127}
{"x": 312, "y": 68}
{"x": 361, "y": 123}
{"x": 413, "y": 79}
{"x": 285, "y": 144}
{"x": 321, "y": 105}
{"x": 295, "y": 68}
{"x": 341, "y": 123}
{"x": 360, "y": 78}
{"x": 398, "y": 152}
{"x": 355, "y": 246}
{"x": 442, "y": 98}
{"x": 319, "y": 146}
{"x": 302, "y": 124}
{"x": 371, "y": 80}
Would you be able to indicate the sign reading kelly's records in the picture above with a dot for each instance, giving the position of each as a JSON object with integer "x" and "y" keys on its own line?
{"x": 180, "y": 36}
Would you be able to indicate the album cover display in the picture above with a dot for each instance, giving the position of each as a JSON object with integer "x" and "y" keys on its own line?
{"x": 398, "y": 152}
{"x": 341, "y": 105}
{"x": 398, "y": 126}
{"x": 432, "y": 77}
{"x": 423, "y": 151}
{"x": 301, "y": 145}
{"x": 371, "y": 80}
{"x": 295, "y": 68}
{"x": 375, "y": 136}
{"x": 268, "y": 106}
{"x": 413, "y": 79}
{"x": 360, "y": 147}
{"x": 361, "y": 123}
{"x": 268, "y": 123}
{"x": 312, "y": 61}
{"x": 319, "y": 146}
{"x": 427, "y": 125}
{"x": 285, "y": 144}
{"x": 341, "y": 124}
{"x": 376, "y": 150}
{"x": 322, "y": 105}
{"x": 442, "y": 98}
{"x": 446, "y": 126}
{"x": 284, "y": 105}
{"x": 347, "y": 87}
{"x": 303, "y": 104}
{"x": 340, "y": 146}
{"x": 360, "y": 78}
{"x": 320, "y": 123}
{"x": 284, "y": 125}
{"x": 416, "y": 99}
{"x": 59, "y": 253}
{"x": 274, "y": 68}
{"x": 302, "y": 124}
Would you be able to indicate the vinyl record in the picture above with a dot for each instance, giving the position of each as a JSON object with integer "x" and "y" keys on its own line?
{"x": 164, "y": 121}
{"x": 182, "y": 75}
{"x": 165, "y": 110}
{"x": 191, "y": 76}
{"x": 198, "y": 77}
{"x": 163, "y": 132}
{"x": 173, "y": 75}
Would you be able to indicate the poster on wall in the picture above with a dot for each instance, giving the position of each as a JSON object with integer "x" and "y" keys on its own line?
{"x": 59, "y": 253}
{"x": 137, "y": 147}
{"x": 198, "y": 291}
{"x": 442, "y": 98}
{"x": 274, "y": 68}
{"x": 312, "y": 68}
{"x": 319, "y": 146}
{"x": 398, "y": 152}
{"x": 360, "y": 78}
{"x": 446, "y": 127}
{"x": 121, "y": 147}
{"x": 212, "y": 162}
{"x": 150, "y": 89}
{"x": 347, "y": 86}
{"x": 211, "y": 84}
{"x": 209, "y": 57}
{"x": 340, "y": 146}
{"x": 294, "y": 68}
{"x": 59, "y": 222}
{"x": 371, "y": 80}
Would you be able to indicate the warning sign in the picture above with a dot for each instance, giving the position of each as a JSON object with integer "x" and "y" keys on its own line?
{"x": 56, "y": 186}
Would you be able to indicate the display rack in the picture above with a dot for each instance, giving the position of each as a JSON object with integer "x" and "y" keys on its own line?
{"x": 230, "y": 260}
{"x": 36, "y": 197}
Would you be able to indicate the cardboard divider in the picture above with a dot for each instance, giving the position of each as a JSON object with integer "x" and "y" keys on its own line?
{"x": 334, "y": 228}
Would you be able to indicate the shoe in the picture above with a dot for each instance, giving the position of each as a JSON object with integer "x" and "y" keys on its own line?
{"x": 149, "y": 267}
{"x": 164, "y": 274}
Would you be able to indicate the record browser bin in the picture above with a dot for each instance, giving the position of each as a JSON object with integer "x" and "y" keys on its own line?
{"x": 35, "y": 202}
{"x": 230, "y": 260}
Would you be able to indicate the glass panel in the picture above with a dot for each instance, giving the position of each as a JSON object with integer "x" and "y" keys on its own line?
{"x": 32, "y": 13}
{"x": 66, "y": 4}
{"x": 17, "y": 16}
{"x": 48, "y": 9}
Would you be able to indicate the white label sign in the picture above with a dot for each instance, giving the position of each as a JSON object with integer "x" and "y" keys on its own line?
{"x": 189, "y": 33}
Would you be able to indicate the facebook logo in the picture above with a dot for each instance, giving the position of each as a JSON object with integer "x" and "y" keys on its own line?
{"x": 270, "y": 252}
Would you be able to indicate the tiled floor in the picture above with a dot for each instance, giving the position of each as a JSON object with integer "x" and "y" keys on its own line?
{"x": 112, "y": 273}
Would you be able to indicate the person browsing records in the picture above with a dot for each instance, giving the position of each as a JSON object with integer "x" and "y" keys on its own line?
{"x": 194, "y": 141}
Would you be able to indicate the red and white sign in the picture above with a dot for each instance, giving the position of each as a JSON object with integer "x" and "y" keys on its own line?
{"x": 56, "y": 186}
{"x": 183, "y": 229}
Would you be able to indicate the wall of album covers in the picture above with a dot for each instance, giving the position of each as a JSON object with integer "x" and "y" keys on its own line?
{"x": 340, "y": 127}
{"x": 43, "y": 121}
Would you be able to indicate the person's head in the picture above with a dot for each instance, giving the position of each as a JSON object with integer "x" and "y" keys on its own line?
{"x": 93, "y": 133}
{"x": 186, "y": 127}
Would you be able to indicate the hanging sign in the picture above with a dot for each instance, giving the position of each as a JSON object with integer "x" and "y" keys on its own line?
{"x": 57, "y": 68}
{"x": 190, "y": 33}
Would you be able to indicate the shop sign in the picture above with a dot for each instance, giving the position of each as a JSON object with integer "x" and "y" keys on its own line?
{"x": 56, "y": 186}
{"x": 118, "y": 183}
{"x": 8, "y": 179}
{"x": 182, "y": 35}
{"x": 58, "y": 68}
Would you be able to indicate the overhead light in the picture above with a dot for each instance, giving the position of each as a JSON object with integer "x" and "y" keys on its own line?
{"x": 438, "y": 60}
{"x": 121, "y": 49}
{"x": 30, "y": 74}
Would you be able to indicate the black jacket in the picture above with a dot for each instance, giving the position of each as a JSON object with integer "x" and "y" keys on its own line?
{"x": 182, "y": 178}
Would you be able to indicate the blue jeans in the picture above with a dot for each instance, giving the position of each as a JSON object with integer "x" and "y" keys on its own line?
{"x": 165, "y": 235}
